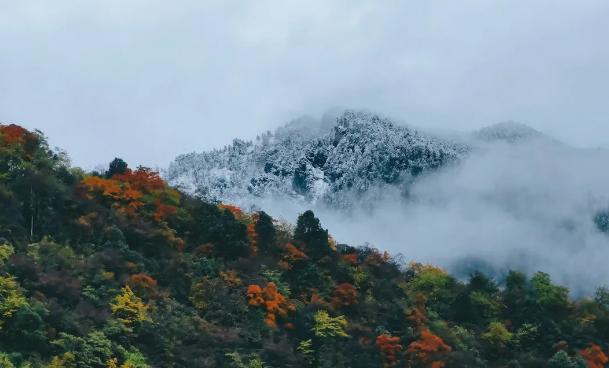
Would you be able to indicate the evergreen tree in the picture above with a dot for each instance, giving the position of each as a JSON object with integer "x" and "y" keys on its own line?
{"x": 562, "y": 360}
{"x": 310, "y": 233}
{"x": 117, "y": 166}
{"x": 517, "y": 298}
{"x": 267, "y": 235}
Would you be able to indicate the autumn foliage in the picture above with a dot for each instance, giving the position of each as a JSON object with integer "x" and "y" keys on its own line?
{"x": 252, "y": 237}
{"x": 11, "y": 134}
{"x": 231, "y": 278}
{"x": 107, "y": 187}
{"x": 344, "y": 295}
{"x": 594, "y": 356}
{"x": 132, "y": 190}
{"x": 136, "y": 195}
{"x": 254, "y": 295}
{"x": 418, "y": 315}
{"x": 144, "y": 285}
{"x": 235, "y": 210}
{"x": 376, "y": 258}
{"x": 351, "y": 258}
{"x": 128, "y": 308}
{"x": 291, "y": 255}
{"x": 163, "y": 210}
{"x": 117, "y": 269}
{"x": 390, "y": 347}
{"x": 429, "y": 349}
{"x": 142, "y": 280}
{"x": 316, "y": 299}
{"x": 142, "y": 179}
{"x": 271, "y": 300}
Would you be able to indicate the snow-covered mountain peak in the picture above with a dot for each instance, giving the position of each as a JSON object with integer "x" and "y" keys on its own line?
{"x": 310, "y": 161}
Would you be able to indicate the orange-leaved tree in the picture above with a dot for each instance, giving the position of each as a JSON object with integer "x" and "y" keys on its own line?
{"x": 235, "y": 210}
{"x": 390, "y": 347}
{"x": 594, "y": 356}
{"x": 143, "y": 284}
{"x": 344, "y": 295}
{"x": 291, "y": 255}
{"x": 143, "y": 179}
{"x": 429, "y": 349}
{"x": 351, "y": 258}
{"x": 252, "y": 237}
{"x": 418, "y": 313}
{"x": 275, "y": 303}
{"x": 14, "y": 134}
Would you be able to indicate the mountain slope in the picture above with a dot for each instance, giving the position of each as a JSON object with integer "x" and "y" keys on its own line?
{"x": 118, "y": 269}
{"x": 312, "y": 164}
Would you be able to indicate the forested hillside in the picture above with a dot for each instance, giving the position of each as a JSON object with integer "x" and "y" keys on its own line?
{"x": 118, "y": 269}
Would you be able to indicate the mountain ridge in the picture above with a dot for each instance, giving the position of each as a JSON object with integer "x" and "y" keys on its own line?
{"x": 359, "y": 151}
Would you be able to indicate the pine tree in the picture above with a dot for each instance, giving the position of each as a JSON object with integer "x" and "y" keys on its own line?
{"x": 267, "y": 235}
{"x": 312, "y": 235}
{"x": 117, "y": 166}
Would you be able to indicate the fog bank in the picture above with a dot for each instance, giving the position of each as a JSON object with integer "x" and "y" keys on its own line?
{"x": 527, "y": 206}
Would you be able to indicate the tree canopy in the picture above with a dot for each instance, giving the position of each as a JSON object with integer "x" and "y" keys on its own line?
{"x": 118, "y": 269}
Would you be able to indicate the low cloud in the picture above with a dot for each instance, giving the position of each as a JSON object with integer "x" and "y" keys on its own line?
{"x": 526, "y": 206}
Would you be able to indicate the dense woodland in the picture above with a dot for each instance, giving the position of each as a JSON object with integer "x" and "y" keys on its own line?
{"x": 117, "y": 269}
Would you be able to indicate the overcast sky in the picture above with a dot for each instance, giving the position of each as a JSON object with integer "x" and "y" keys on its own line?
{"x": 146, "y": 80}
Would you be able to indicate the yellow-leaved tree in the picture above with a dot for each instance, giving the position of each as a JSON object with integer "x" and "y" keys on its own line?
{"x": 66, "y": 360}
{"x": 129, "y": 309}
{"x": 11, "y": 298}
{"x": 327, "y": 326}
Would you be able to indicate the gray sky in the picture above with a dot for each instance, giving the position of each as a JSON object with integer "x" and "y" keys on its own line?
{"x": 147, "y": 79}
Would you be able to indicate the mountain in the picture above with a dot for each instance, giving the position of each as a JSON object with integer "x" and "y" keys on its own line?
{"x": 118, "y": 269}
{"x": 315, "y": 163}
{"x": 510, "y": 132}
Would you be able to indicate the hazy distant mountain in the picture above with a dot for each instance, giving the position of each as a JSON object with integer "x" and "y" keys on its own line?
{"x": 314, "y": 162}
{"x": 507, "y": 131}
